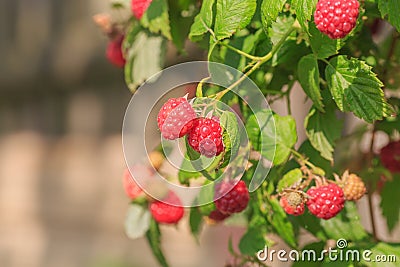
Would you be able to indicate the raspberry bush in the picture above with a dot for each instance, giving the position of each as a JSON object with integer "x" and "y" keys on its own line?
{"x": 342, "y": 54}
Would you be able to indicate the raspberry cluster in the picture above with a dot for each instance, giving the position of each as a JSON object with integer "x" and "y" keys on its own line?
{"x": 336, "y": 18}
{"x": 177, "y": 118}
{"x": 231, "y": 199}
{"x": 390, "y": 156}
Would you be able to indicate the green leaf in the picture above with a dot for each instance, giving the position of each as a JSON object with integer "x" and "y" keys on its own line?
{"x": 195, "y": 221}
{"x": 187, "y": 172}
{"x": 251, "y": 242}
{"x": 315, "y": 157}
{"x": 286, "y": 137}
{"x": 322, "y": 130}
{"x": 304, "y": 10}
{"x": 381, "y": 250}
{"x": 308, "y": 73}
{"x": 137, "y": 221}
{"x": 279, "y": 28}
{"x": 144, "y": 59}
{"x": 323, "y": 46}
{"x": 345, "y": 225}
{"x": 292, "y": 177}
{"x": 269, "y": 11}
{"x": 282, "y": 225}
{"x": 203, "y": 21}
{"x": 180, "y": 25}
{"x": 154, "y": 238}
{"x": 156, "y": 18}
{"x": 231, "y": 137}
{"x": 206, "y": 166}
{"x": 356, "y": 88}
{"x": 267, "y": 139}
{"x": 390, "y": 202}
{"x": 233, "y": 15}
{"x": 391, "y": 9}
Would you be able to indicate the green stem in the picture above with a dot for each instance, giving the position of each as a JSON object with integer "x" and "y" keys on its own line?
{"x": 240, "y": 52}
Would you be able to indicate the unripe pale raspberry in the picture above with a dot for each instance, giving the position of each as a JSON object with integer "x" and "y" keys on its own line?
{"x": 325, "y": 201}
{"x": 163, "y": 212}
{"x": 139, "y": 7}
{"x": 390, "y": 156}
{"x": 206, "y": 137}
{"x": 132, "y": 189}
{"x": 232, "y": 201}
{"x": 114, "y": 52}
{"x": 353, "y": 187}
{"x": 336, "y": 18}
{"x": 175, "y": 118}
{"x": 293, "y": 203}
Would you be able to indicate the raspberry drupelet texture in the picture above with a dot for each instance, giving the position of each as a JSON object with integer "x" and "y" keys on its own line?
{"x": 166, "y": 213}
{"x": 325, "y": 201}
{"x": 139, "y": 7}
{"x": 235, "y": 200}
{"x": 292, "y": 203}
{"x": 206, "y": 137}
{"x": 353, "y": 187}
{"x": 114, "y": 52}
{"x": 175, "y": 118}
{"x": 390, "y": 156}
{"x": 336, "y": 18}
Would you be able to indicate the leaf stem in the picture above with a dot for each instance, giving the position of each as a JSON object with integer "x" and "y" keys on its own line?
{"x": 240, "y": 52}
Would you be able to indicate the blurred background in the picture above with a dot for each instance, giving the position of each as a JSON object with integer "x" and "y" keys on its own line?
{"x": 61, "y": 162}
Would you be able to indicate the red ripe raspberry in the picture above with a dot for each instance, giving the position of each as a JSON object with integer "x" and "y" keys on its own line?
{"x": 336, "y": 18}
{"x": 217, "y": 216}
{"x": 166, "y": 213}
{"x": 175, "y": 118}
{"x": 139, "y": 7}
{"x": 206, "y": 137}
{"x": 232, "y": 201}
{"x": 390, "y": 156}
{"x": 292, "y": 203}
{"x": 325, "y": 201}
{"x": 114, "y": 52}
{"x": 132, "y": 189}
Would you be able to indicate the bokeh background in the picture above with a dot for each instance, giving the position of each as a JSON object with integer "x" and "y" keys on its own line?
{"x": 61, "y": 163}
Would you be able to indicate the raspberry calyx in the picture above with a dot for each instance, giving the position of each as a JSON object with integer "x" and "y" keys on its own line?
{"x": 293, "y": 203}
